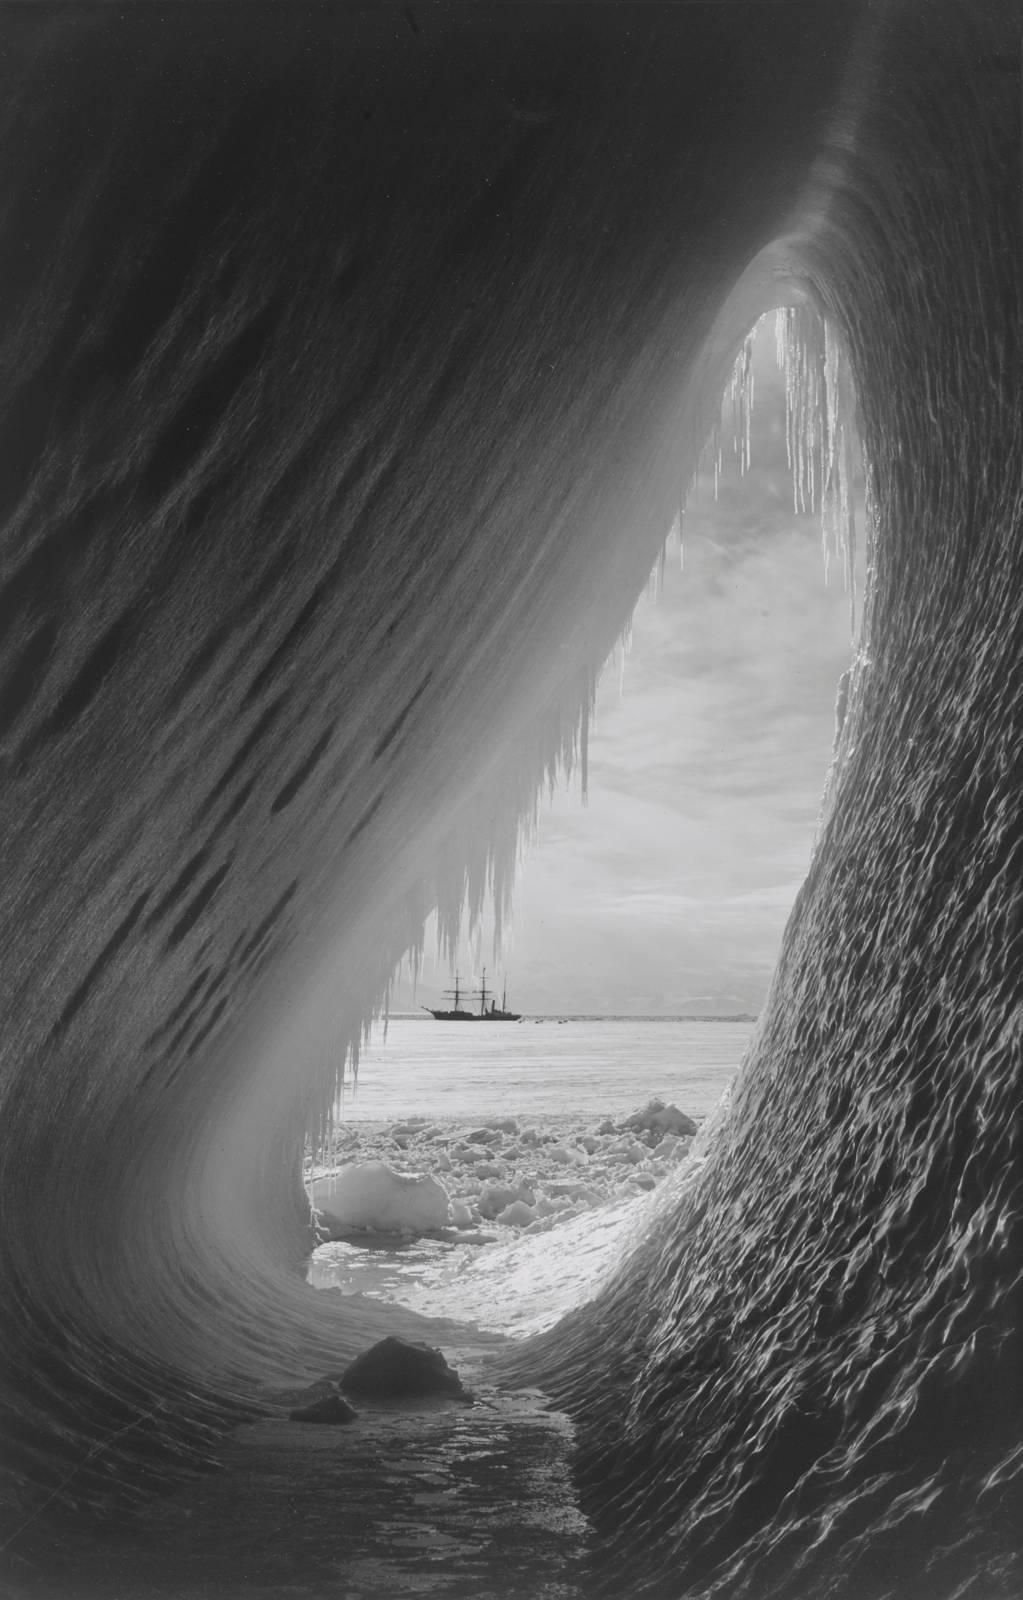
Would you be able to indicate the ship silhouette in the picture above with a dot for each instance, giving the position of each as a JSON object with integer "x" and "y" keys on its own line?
{"x": 458, "y": 1013}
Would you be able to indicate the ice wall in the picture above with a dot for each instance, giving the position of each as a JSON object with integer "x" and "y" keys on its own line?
{"x": 355, "y": 361}
{"x": 816, "y": 1379}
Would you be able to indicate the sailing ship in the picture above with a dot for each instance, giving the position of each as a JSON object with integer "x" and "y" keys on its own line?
{"x": 491, "y": 1013}
{"x": 456, "y": 1014}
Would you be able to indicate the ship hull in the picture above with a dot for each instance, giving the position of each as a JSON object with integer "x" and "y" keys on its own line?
{"x": 471, "y": 1016}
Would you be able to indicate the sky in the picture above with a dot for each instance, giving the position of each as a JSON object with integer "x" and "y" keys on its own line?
{"x": 668, "y": 891}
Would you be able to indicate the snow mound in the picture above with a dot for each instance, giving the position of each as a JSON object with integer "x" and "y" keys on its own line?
{"x": 373, "y": 1197}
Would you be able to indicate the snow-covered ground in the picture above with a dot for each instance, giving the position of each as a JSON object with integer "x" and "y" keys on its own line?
{"x": 537, "y": 1210}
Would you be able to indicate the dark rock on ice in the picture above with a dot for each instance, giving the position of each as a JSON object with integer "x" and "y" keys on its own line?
{"x": 331, "y": 1409}
{"x": 294, "y": 1398}
{"x": 396, "y": 1368}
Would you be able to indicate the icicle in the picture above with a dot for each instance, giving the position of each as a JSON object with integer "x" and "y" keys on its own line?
{"x": 741, "y": 396}
{"x": 624, "y": 646}
{"x": 819, "y": 430}
{"x": 584, "y": 747}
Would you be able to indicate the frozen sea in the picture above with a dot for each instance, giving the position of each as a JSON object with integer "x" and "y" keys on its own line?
{"x": 544, "y": 1067}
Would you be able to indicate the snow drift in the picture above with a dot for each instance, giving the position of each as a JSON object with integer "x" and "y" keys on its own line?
{"x": 355, "y": 364}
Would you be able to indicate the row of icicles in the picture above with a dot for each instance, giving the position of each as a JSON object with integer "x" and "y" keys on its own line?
{"x": 821, "y": 438}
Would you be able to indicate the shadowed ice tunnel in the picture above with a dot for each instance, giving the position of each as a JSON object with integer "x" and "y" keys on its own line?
{"x": 339, "y": 346}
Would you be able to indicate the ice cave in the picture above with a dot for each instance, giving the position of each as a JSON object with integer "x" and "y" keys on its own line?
{"x": 340, "y": 343}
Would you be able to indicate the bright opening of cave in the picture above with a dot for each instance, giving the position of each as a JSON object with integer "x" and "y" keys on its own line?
{"x": 646, "y": 922}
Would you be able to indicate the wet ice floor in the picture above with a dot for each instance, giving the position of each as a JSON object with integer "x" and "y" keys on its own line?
{"x": 467, "y": 1502}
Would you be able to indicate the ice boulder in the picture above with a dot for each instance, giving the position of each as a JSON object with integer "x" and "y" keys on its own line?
{"x": 560, "y": 1154}
{"x": 627, "y": 1149}
{"x": 494, "y": 1197}
{"x": 466, "y": 1152}
{"x": 372, "y": 1196}
{"x": 582, "y": 1193}
{"x": 517, "y": 1215}
{"x": 461, "y": 1216}
{"x": 672, "y": 1120}
{"x": 656, "y": 1117}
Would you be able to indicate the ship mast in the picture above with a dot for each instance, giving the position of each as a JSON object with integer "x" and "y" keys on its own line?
{"x": 483, "y": 994}
{"x": 455, "y": 991}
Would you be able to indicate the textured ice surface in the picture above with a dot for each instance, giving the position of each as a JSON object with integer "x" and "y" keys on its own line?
{"x": 354, "y": 365}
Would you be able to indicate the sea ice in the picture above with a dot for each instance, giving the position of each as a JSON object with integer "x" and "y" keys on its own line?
{"x": 530, "y": 1180}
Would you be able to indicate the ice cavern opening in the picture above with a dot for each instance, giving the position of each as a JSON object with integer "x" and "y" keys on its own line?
{"x": 708, "y": 747}
{"x": 339, "y": 345}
